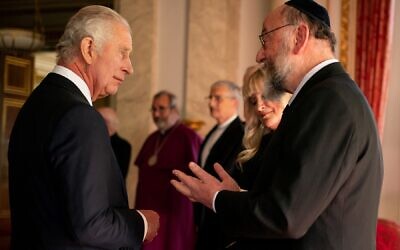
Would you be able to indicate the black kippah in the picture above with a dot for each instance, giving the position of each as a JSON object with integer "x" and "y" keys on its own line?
{"x": 311, "y": 9}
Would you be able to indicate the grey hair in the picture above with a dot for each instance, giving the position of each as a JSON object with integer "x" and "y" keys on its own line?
{"x": 172, "y": 98}
{"x": 318, "y": 29}
{"x": 93, "y": 21}
{"x": 233, "y": 88}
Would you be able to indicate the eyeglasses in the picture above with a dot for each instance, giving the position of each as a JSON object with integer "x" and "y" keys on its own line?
{"x": 160, "y": 109}
{"x": 263, "y": 34}
{"x": 218, "y": 98}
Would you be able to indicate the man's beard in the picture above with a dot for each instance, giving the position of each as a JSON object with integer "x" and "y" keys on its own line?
{"x": 161, "y": 124}
{"x": 278, "y": 68}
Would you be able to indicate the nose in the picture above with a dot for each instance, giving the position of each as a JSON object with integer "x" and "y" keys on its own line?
{"x": 212, "y": 102}
{"x": 128, "y": 66}
{"x": 260, "y": 57}
{"x": 260, "y": 106}
{"x": 155, "y": 114}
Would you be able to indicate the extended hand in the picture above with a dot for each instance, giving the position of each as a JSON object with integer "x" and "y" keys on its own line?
{"x": 203, "y": 188}
{"x": 153, "y": 223}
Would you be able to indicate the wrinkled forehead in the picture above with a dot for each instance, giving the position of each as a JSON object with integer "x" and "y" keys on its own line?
{"x": 220, "y": 89}
{"x": 162, "y": 100}
{"x": 274, "y": 19}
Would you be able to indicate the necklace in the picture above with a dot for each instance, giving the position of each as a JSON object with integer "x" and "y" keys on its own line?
{"x": 154, "y": 157}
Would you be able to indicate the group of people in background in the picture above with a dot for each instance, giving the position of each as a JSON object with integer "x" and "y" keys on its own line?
{"x": 304, "y": 170}
{"x": 233, "y": 143}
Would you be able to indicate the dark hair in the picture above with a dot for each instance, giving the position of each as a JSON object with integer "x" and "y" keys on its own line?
{"x": 171, "y": 97}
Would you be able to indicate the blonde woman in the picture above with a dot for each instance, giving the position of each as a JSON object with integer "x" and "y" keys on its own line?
{"x": 263, "y": 107}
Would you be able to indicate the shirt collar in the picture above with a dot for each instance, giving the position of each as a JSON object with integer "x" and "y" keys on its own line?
{"x": 79, "y": 82}
{"x": 227, "y": 122}
{"x": 309, "y": 75}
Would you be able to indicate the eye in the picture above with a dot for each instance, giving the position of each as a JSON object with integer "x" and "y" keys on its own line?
{"x": 124, "y": 54}
{"x": 263, "y": 98}
{"x": 252, "y": 100}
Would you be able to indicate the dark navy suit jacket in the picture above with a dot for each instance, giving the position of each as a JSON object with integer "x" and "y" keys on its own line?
{"x": 66, "y": 189}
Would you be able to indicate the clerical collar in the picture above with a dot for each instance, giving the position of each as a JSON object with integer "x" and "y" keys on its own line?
{"x": 309, "y": 75}
{"x": 79, "y": 82}
{"x": 227, "y": 122}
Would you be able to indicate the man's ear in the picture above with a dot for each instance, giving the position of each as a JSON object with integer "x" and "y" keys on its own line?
{"x": 87, "y": 49}
{"x": 301, "y": 39}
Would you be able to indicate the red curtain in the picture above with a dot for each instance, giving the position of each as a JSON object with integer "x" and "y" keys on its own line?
{"x": 374, "y": 35}
{"x": 387, "y": 235}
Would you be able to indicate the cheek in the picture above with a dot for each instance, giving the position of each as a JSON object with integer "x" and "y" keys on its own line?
{"x": 276, "y": 119}
{"x": 258, "y": 114}
{"x": 215, "y": 106}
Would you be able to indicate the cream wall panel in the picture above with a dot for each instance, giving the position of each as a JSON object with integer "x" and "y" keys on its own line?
{"x": 213, "y": 42}
{"x": 134, "y": 96}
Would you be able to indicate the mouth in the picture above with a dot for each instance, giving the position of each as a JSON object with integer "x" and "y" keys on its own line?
{"x": 120, "y": 80}
{"x": 266, "y": 115}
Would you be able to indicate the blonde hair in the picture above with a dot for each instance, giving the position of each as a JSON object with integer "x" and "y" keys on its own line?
{"x": 256, "y": 79}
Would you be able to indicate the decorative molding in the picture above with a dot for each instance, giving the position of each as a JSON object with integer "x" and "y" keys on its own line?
{"x": 17, "y": 77}
{"x": 344, "y": 33}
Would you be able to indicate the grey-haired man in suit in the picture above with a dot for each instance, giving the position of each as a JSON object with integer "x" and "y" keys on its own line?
{"x": 221, "y": 145}
{"x": 66, "y": 189}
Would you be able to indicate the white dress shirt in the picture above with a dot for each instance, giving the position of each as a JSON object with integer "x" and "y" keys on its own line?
{"x": 77, "y": 80}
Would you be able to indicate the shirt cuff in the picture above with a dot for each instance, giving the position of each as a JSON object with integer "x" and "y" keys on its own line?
{"x": 145, "y": 224}
{"x": 213, "y": 202}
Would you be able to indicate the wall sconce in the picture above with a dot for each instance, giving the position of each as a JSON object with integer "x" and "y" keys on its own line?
{"x": 15, "y": 39}
{"x": 20, "y": 39}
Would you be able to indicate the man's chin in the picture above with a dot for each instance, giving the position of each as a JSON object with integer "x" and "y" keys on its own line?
{"x": 102, "y": 96}
{"x": 160, "y": 125}
{"x": 111, "y": 90}
{"x": 214, "y": 114}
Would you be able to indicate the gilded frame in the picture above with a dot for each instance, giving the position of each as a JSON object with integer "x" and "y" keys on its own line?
{"x": 17, "y": 75}
{"x": 10, "y": 111}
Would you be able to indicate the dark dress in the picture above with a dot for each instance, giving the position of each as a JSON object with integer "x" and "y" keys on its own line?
{"x": 246, "y": 175}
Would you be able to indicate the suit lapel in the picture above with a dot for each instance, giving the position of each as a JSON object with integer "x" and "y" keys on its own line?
{"x": 223, "y": 143}
{"x": 204, "y": 143}
{"x": 318, "y": 78}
